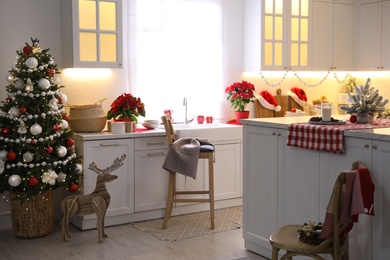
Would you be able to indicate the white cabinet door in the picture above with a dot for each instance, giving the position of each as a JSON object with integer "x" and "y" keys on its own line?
{"x": 381, "y": 178}
{"x": 369, "y": 52}
{"x": 103, "y": 153}
{"x": 91, "y": 33}
{"x": 260, "y": 187}
{"x": 151, "y": 179}
{"x": 298, "y": 183}
{"x": 332, "y": 36}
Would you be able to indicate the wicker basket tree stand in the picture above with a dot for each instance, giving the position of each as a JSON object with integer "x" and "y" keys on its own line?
{"x": 34, "y": 217}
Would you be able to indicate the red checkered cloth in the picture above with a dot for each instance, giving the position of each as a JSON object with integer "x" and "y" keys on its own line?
{"x": 329, "y": 138}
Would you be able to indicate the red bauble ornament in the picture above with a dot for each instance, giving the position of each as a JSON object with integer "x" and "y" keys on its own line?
{"x": 352, "y": 118}
{"x": 8, "y": 99}
{"x": 49, "y": 149}
{"x": 5, "y": 130}
{"x": 23, "y": 110}
{"x": 51, "y": 71}
{"x": 69, "y": 142}
{"x": 73, "y": 188}
{"x": 57, "y": 127}
{"x": 11, "y": 155}
{"x": 27, "y": 50}
{"x": 66, "y": 117}
{"x": 32, "y": 181}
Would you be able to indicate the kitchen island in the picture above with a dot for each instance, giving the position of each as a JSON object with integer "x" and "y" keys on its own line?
{"x": 286, "y": 185}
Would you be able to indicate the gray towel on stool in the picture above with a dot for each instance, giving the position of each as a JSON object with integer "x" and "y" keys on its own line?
{"x": 183, "y": 156}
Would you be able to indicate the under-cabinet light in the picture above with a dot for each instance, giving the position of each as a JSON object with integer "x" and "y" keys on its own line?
{"x": 88, "y": 74}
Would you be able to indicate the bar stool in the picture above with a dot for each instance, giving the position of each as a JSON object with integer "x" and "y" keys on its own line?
{"x": 206, "y": 152}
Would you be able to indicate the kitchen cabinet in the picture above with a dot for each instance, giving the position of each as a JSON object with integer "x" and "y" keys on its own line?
{"x": 373, "y": 51}
{"x": 283, "y": 184}
{"x": 333, "y": 35}
{"x": 276, "y": 35}
{"x": 151, "y": 179}
{"x": 103, "y": 153}
{"x": 91, "y": 34}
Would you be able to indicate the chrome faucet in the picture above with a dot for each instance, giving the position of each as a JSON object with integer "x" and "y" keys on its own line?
{"x": 185, "y": 103}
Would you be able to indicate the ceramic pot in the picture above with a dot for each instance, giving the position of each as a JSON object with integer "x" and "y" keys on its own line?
{"x": 241, "y": 115}
{"x": 364, "y": 118}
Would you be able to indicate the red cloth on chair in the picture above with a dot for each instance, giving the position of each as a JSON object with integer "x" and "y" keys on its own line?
{"x": 357, "y": 198}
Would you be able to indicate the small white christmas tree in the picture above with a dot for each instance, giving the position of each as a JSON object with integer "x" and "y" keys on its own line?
{"x": 365, "y": 100}
{"x": 36, "y": 145}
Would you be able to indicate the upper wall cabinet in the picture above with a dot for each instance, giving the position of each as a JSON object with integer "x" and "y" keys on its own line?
{"x": 373, "y": 52}
{"x": 276, "y": 34}
{"x": 91, "y": 33}
{"x": 332, "y": 35}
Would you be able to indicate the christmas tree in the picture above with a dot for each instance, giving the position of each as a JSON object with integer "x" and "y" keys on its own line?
{"x": 36, "y": 145}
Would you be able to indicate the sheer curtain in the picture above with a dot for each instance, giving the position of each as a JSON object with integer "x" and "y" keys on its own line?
{"x": 175, "y": 50}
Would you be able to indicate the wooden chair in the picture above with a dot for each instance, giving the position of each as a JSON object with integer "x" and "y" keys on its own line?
{"x": 206, "y": 152}
{"x": 286, "y": 237}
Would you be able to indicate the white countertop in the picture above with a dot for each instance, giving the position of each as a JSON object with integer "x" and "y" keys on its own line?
{"x": 283, "y": 123}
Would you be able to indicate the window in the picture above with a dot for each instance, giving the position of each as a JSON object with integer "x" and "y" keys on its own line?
{"x": 175, "y": 50}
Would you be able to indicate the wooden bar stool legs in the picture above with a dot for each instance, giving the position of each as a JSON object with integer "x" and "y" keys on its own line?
{"x": 171, "y": 197}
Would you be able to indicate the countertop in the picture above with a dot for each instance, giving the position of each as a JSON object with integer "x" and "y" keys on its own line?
{"x": 382, "y": 134}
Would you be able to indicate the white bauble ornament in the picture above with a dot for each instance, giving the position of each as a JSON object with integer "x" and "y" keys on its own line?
{"x": 64, "y": 98}
{"x": 44, "y": 84}
{"x": 64, "y": 124}
{"x": 3, "y": 155}
{"x": 9, "y": 78}
{"x": 55, "y": 80}
{"x": 14, "y": 180}
{"x": 31, "y": 62}
{"x": 35, "y": 129}
{"x": 19, "y": 84}
{"x": 28, "y": 157}
{"x": 14, "y": 111}
{"x": 61, "y": 151}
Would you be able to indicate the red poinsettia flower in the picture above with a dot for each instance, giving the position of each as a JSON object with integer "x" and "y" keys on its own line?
{"x": 240, "y": 94}
{"x": 126, "y": 106}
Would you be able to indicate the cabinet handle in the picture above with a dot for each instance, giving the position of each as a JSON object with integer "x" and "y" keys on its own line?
{"x": 111, "y": 144}
{"x": 374, "y": 147}
{"x": 273, "y": 133}
{"x": 366, "y": 146}
{"x": 278, "y": 134}
{"x": 155, "y": 154}
{"x": 155, "y": 143}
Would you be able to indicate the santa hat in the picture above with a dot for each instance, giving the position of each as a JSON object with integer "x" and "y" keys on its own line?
{"x": 298, "y": 95}
{"x": 268, "y": 101}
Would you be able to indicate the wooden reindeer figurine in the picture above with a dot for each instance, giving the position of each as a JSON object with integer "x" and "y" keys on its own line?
{"x": 97, "y": 202}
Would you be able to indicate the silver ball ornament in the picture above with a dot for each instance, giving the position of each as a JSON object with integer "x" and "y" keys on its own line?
{"x": 28, "y": 157}
{"x": 9, "y": 78}
{"x": 35, "y": 129}
{"x": 3, "y": 155}
{"x": 31, "y": 62}
{"x": 14, "y": 111}
{"x": 44, "y": 84}
{"x": 61, "y": 151}
{"x": 14, "y": 180}
{"x": 19, "y": 84}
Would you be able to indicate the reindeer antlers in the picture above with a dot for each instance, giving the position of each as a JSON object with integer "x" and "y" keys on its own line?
{"x": 115, "y": 165}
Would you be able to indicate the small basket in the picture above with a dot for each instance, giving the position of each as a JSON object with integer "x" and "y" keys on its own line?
{"x": 310, "y": 232}
{"x": 32, "y": 218}
{"x": 87, "y": 118}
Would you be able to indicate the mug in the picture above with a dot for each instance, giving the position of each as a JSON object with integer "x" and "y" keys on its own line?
{"x": 209, "y": 120}
{"x": 200, "y": 119}
{"x": 169, "y": 112}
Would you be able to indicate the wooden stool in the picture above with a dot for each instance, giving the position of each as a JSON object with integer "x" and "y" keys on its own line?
{"x": 206, "y": 152}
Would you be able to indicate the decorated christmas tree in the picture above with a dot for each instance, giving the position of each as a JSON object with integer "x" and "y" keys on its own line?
{"x": 36, "y": 145}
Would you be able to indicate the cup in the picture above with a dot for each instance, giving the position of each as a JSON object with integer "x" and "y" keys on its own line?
{"x": 326, "y": 111}
{"x": 200, "y": 119}
{"x": 169, "y": 112}
{"x": 209, "y": 120}
{"x": 118, "y": 127}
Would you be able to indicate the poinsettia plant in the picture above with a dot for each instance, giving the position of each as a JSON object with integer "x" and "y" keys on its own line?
{"x": 126, "y": 106}
{"x": 240, "y": 94}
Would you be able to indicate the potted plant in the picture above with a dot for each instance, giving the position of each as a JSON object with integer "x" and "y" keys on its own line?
{"x": 240, "y": 94}
{"x": 127, "y": 108}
